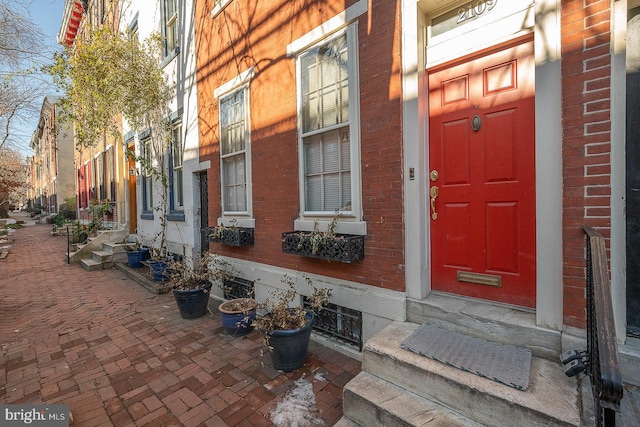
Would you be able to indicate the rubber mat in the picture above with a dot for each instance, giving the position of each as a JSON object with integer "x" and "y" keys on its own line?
{"x": 506, "y": 364}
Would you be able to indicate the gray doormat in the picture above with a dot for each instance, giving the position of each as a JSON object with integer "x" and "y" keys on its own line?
{"x": 506, "y": 364}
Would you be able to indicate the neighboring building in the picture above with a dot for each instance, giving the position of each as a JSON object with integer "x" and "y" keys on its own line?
{"x": 51, "y": 177}
{"x": 101, "y": 170}
{"x": 178, "y": 159}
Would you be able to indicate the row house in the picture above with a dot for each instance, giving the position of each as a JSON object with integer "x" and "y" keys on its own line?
{"x": 50, "y": 177}
{"x": 99, "y": 169}
{"x": 169, "y": 209}
{"x": 109, "y": 169}
{"x": 465, "y": 143}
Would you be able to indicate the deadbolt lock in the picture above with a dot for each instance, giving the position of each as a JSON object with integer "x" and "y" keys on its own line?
{"x": 433, "y": 175}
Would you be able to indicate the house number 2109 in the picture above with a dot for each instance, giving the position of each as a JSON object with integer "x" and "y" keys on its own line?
{"x": 471, "y": 10}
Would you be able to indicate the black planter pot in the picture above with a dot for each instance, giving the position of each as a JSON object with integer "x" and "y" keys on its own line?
{"x": 192, "y": 303}
{"x": 289, "y": 347}
{"x": 237, "y": 322}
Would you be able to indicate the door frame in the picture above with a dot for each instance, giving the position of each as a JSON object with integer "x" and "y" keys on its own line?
{"x": 548, "y": 148}
{"x": 519, "y": 287}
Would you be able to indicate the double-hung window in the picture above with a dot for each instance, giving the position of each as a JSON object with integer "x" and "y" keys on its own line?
{"x": 171, "y": 34}
{"x": 175, "y": 169}
{"x": 234, "y": 144}
{"x": 329, "y": 141}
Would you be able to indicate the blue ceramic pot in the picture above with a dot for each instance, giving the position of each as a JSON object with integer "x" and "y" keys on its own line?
{"x": 238, "y": 322}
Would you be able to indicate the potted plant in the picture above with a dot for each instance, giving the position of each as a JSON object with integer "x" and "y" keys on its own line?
{"x": 136, "y": 253}
{"x": 238, "y": 315}
{"x": 231, "y": 235}
{"x": 327, "y": 244}
{"x": 79, "y": 233}
{"x": 191, "y": 281}
{"x": 287, "y": 328}
{"x": 159, "y": 269}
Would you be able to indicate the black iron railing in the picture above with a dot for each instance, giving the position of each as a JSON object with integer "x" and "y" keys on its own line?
{"x": 602, "y": 349}
{"x": 340, "y": 323}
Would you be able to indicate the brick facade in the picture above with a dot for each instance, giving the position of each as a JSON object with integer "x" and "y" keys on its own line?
{"x": 256, "y": 35}
{"x": 586, "y": 94}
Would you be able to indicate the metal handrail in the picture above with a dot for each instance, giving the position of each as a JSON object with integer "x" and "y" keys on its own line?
{"x": 603, "y": 366}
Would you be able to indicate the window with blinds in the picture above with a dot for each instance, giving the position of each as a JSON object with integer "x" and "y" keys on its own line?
{"x": 326, "y": 126}
{"x": 176, "y": 189}
{"x": 233, "y": 151}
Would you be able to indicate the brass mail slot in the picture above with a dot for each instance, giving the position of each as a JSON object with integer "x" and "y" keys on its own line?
{"x": 479, "y": 278}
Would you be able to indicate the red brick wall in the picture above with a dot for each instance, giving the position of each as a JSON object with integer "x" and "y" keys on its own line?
{"x": 586, "y": 81}
{"x": 256, "y": 34}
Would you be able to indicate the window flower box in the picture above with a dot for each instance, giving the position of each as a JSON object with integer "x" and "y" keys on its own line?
{"x": 232, "y": 236}
{"x": 347, "y": 248}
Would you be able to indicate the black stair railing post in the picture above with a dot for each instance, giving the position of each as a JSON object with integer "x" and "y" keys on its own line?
{"x": 602, "y": 349}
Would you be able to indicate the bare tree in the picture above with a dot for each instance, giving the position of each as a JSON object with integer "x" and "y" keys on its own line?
{"x": 12, "y": 179}
{"x": 23, "y": 55}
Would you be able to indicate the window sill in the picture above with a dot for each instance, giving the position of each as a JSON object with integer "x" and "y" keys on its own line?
{"x": 167, "y": 59}
{"x": 175, "y": 216}
{"x": 230, "y": 221}
{"x": 146, "y": 215}
{"x": 343, "y": 226}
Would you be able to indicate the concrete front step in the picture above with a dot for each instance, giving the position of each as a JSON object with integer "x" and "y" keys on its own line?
{"x": 551, "y": 398}
{"x": 90, "y": 264}
{"x": 488, "y": 321}
{"x": 375, "y": 402}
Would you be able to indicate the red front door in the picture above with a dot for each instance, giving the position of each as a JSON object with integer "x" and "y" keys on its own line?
{"x": 482, "y": 175}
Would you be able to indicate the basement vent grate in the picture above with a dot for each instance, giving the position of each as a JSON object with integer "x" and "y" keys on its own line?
{"x": 339, "y": 323}
{"x": 238, "y": 288}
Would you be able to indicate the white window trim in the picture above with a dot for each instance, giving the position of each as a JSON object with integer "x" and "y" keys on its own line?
{"x": 324, "y": 30}
{"x": 218, "y": 7}
{"x": 241, "y": 79}
{"x": 351, "y": 223}
{"x": 174, "y": 125}
{"x": 239, "y": 219}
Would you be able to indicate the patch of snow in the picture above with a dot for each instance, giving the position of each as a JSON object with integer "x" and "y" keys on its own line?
{"x": 298, "y": 407}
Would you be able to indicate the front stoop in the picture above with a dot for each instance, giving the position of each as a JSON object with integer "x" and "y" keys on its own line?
{"x": 105, "y": 257}
{"x": 378, "y": 402}
{"x": 488, "y": 321}
{"x": 399, "y": 387}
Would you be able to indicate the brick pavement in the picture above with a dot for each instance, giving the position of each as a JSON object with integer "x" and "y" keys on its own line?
{"x": 119, "y": 355}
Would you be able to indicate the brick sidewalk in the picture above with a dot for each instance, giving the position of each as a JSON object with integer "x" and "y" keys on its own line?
{"x": 119, "y": 355}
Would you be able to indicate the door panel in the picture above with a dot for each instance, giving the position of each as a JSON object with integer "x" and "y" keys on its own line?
{"x": 481, "y": 143}
{"x": 133, "y": 197}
